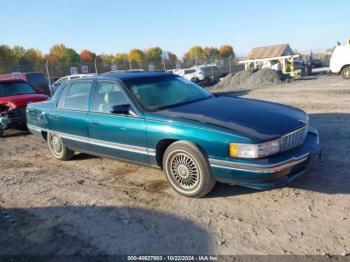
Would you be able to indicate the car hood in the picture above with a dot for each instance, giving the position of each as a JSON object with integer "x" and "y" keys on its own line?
{"x": 257, "y": 119}
{"x": 21, "y": 100}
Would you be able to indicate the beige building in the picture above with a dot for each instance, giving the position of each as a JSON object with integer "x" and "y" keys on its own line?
{"x": 269, "y": 56}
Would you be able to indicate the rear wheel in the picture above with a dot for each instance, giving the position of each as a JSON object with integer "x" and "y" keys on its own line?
{"x": 57, "y": 147}
{"x": 1, "y": 132}
{"x": 187, "y": 169}
{"x": 345, "y": 72}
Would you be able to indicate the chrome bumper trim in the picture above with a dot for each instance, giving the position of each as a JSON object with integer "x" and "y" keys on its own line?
{"x": 259, "y": 168}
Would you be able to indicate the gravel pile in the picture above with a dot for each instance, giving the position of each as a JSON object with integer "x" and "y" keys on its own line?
{"x": 250, "y": 79}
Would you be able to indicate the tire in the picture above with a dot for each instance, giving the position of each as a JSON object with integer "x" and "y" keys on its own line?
{"x": 345, "y": 72}
{"x": 1, "y": 132}
{"x": 57, "y": 147}
{"x": 187, "y": 169}
{"x": 195, "y": 80}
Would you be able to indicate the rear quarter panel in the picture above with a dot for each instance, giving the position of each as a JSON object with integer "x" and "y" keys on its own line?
{"x": 37, "y": 114}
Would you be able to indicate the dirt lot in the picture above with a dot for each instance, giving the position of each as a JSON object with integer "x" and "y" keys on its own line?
{"x": 99, "y": 206}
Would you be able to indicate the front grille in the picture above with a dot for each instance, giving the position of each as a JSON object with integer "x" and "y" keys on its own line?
{"x": 294, "y": 138}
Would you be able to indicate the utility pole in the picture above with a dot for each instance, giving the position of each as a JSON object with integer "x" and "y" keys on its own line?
{"x": 96, "y": 65}
{"x": 229, "y": 60}
{"x": 48, "y": 71}
{"x": 212, "y": 66}
{"x": 163, "y": 59}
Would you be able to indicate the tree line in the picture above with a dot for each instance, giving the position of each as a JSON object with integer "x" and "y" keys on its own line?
{"x": 61, "y": 56}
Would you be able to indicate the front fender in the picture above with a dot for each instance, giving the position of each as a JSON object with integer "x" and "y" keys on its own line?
{"x": 214, "y": 142}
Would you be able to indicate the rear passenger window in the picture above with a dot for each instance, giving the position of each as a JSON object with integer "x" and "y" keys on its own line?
{"x": 75, "y": 96}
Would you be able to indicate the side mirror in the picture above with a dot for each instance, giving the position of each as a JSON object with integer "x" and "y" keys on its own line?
{"x": 121, "y": 109}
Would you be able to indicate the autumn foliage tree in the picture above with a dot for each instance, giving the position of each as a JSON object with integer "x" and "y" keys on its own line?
{"x": 211, "y": 52}
{"x": 137, "y": 58}
{"x": 226, "y": 51}
{"x": 121, "y": 60}
{"x": 62, "y": 58}
{"x": 87, "y": 56}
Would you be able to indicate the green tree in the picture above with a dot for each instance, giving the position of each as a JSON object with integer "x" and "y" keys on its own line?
{"x": 32, "y": 57}
{"x": 6, "y": 58}
{"x": 172, "y": 61}
{"x": 121, "y": 60}
{"x": 137, "y": 58}
{"x": 210, "y": 52}
{"x": 70, "y": 56}
{"x": 18, "y": 53}
{"x": 154, "y": 57}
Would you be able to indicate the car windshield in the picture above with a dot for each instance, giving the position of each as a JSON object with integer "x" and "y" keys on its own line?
{"x": 159, "y": 93}
{"x": 15, "y": 88}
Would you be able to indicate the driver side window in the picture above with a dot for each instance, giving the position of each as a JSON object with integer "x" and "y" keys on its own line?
{"x": 108, "y": 94}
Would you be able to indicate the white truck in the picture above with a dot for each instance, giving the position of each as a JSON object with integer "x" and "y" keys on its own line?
{"x": 340, "y": 61}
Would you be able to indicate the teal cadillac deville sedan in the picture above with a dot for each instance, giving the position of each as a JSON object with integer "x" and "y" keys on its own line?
{"x": 162, "y": 120}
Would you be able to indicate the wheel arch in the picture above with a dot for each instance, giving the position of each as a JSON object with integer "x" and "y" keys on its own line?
{"x": 44, "y": 135}
{"x": 344, "y": 66}
{"x": 164, "y": 143}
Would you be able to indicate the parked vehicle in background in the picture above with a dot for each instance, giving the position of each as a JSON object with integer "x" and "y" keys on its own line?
{"x": 61, "y": 80}
{"x": 35, "y": 79}
{"x": 194, "y": 74}
{"x": 15, "y": 94}
{"x": 340, "y": 61}
{"x": 135, "y": 70}
{"x": 166, "y": 121}
{"x": 316, "y": 63}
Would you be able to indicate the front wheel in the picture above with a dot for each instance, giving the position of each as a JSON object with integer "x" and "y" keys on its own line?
{"x": 57, "y": 147}
{"x": 187, "y": 169}
{"x": 345, "y": 72}
{"x": 195, "y": 80}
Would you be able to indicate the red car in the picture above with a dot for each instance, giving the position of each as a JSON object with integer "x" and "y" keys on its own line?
{"x": 15, "y": 94}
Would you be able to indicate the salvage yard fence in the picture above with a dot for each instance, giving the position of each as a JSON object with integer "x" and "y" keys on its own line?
{"x": 57, "y": 70}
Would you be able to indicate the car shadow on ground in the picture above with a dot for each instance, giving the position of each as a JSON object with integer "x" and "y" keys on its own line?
{"x": 331, "y": 175}
{"x": 91, "y": 230}
{"x": 15, "y": 133}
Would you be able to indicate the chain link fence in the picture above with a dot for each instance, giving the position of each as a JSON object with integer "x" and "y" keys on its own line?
{"x": 217, "y": 67}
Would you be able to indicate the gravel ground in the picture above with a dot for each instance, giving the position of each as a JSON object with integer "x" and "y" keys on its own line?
{"x": 99, "y": 206}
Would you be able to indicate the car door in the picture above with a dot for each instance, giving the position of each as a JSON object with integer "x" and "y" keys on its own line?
{"x": 118, "y": 135}
{"x": 69, "y": 118}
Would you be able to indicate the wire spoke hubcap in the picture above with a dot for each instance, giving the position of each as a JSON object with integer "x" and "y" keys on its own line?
{"x": 184, "y": 171}
{"x": 56, "y": 145}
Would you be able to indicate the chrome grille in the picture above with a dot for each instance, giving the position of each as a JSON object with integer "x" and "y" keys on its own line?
{"x": 294, "y": 138}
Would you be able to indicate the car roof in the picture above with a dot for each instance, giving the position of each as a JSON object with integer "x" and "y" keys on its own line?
{"x": 134, "y": 75}
{"x": 12, "y": 80}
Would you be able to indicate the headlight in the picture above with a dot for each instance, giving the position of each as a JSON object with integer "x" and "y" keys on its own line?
{"x": 255, "y": 150}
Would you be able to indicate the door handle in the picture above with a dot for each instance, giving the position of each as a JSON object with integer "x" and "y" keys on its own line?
{"x": 94, "y": 123}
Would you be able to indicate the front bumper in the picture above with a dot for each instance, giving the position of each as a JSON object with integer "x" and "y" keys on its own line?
{"x": 16, "y": 117}
{"x": 274, "y": 171}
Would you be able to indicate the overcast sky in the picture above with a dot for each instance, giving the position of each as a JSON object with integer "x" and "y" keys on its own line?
{"x": 111, "y": 26}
